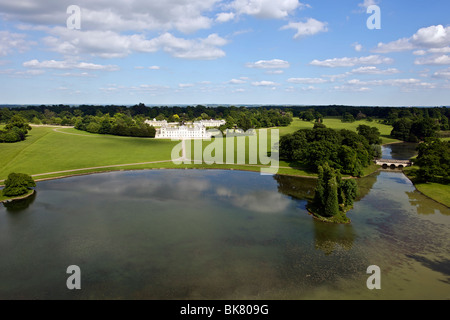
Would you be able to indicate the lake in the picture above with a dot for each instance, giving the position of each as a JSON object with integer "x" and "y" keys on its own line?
{"x": 213, "y": 234}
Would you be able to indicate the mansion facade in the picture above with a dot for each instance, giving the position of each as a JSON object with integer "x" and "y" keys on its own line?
{"x": 189, "y": 130}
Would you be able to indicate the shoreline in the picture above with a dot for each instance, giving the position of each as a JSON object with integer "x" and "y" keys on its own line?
{"x": 116, "y": 168}
{"x": 33, "y": 191}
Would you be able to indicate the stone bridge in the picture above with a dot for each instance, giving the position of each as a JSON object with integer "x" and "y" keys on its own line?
{"x": 395, "y": 163}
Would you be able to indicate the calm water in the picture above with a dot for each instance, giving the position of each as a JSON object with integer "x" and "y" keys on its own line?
{"x": 191, "y": 234}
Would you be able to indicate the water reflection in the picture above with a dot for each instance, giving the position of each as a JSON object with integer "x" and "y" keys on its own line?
{"x": 399, "y": 151}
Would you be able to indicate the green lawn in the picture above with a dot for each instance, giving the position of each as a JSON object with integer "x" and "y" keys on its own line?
{"x": 298, "y": 124}
{"x": 66, "y": 149}
{"x": 436, "y": 191}
{"x": 45, "y": 150}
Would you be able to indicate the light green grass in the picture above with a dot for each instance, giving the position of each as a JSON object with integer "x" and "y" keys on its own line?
{"x": 45, "y": 150}
{"x": 337, "y": 124}
{"x": 436, "y": 191}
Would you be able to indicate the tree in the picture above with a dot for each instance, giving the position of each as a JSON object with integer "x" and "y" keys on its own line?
{"x": 372, "y": 134}
{"x": 326, "y": 193}
{"x": 434, "y": 161}
{"x": 348, "y": 117}
{"x": 18, "y": 184}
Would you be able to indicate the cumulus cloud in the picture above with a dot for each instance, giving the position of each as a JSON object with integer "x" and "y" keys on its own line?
{"x": 55, "y": 64}
{"x": 269, "y": 64}
{"x": 351, "y": 62}
{"x": 225, "y": 16}
{"x": 266, "y": 9}
{"x": 120, "y": 15}
{"x": 10, "y": 42}
{"x": 374, "y": 70}
{"x": 433, "y": 37}
{"x": 308, "y": 80}
{"x": 308, "y": 28}
{"x": 264, "y": 83}
{"x": 436, "y": 60}
{"x": 110, "y": 44}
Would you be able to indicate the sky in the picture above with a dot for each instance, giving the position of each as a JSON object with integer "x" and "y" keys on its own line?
{"x": 239, "y": 52}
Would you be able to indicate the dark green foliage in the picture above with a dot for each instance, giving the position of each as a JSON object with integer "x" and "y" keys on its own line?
{"x": 18, "y": 184}
{"x": 341, "y": 149}
{"x": 410, "y": 130}
{"x": 348, "y": 117}
{"x": 333, "y": 195}
{"x": 372, "y": 134}
{"x": 15, "y": 130}
{"x": 434, "y": 161}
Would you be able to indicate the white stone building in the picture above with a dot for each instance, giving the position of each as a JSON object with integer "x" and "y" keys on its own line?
{"x": 211, "y": 123}
{"x": 183, "y": 132}
{"x": 156, "y": 123}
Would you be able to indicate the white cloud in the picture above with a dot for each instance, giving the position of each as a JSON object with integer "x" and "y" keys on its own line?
{"x": 442, "y": 74}
{"x": 186, "y": 85}
{"x": 351, "y": 62}
{"x": 120, "y": 15}
{"x": 266, "y": 9}
{"x": 269, "y": 64}
{"x": 109, "y": 44}
{"x": 358, "y": 47}
{"x": 435, "y": 60}
{"x": 10, "y": 42}
{"x": 264, "y": 83}
{"x": 237, "y": 81}
{"x": 308, "y": 80}
{"x": 308, "y": 28}
{"x": 225, "y": 16}
{"x": 433, "y": 37}
{"x": 374, "y": 70}
{"x": 367, "y": 3}
{"x": 55, "y": 64}
{"x": 154, "y": 67}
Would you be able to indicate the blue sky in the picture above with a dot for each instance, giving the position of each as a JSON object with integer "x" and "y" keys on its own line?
{"x": 225, "y": 52}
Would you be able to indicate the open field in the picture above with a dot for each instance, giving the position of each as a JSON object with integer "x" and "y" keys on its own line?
{"x": 50, "y": 152}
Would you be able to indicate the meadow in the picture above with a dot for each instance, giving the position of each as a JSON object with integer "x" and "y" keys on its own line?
{"x": 50, "y": 152}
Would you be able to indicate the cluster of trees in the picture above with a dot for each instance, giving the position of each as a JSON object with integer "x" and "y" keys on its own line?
{"x": 18, "y": 184}
{"x": 16, "y": 129}
{"x": 333, "y": 195}
{"x": 415, "y": 130}
{"x": 343, "y": 150}
{"x": 120, "y": 125}
{"x": 434, "y": 161}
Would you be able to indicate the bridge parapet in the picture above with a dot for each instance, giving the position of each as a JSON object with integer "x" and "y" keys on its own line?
{"x": 391, "y": 162}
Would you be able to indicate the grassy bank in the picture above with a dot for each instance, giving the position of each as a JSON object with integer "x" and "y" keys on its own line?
{"x": 436, "y": 191}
